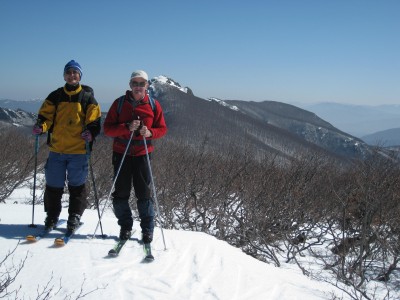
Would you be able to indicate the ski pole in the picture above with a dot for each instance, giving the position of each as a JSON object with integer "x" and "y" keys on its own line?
{"x": 154, "y": 190}
{"x": 34, "y": 180}
{"x": 88, "y": 153}
{"x": 115, "y": 179}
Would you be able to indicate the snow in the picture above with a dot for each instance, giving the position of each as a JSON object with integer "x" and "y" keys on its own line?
{"x": 223, "y": 103}
{"x": 194, "y": 265}
{"x": 165, "y": 80}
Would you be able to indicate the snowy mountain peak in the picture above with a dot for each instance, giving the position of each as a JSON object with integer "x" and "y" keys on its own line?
{"x": 166, "y": 80}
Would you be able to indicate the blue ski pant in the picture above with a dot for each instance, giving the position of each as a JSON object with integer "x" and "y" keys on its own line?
{"x": 61, "y": 167}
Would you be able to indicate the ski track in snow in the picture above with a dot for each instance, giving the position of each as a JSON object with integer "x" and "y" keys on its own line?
{"x": 194, "y": 266}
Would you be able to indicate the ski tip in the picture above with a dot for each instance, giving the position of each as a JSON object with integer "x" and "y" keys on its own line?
{"x": 148, "y": 259}
{"x": 112, "y": 253}
{"x": 59, "y": 242}
{"x": 30, "y": 238}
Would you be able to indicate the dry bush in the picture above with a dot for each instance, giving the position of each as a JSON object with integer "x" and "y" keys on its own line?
{"x": 362, "y": 223}
{"x": 16, "y": 160}
{"x": 102, "y": 172}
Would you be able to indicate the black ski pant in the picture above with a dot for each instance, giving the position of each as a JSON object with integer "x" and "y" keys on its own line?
{"x": 77, "y": 200}
{"x": 134, "y": 172}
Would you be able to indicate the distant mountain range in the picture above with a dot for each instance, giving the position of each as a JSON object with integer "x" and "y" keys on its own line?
{"x": 259, "y": 128}
{"x": 31, "y": 106}
{"x": 385, "y": 138}
{"x": 358, "y": 120}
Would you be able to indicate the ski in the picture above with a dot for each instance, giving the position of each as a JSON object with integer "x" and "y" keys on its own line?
{"x": 63, "y": 240}
{"x": 118, "y": 246}
{"x": 147, "y": 251}
{"x": 34, "y": 238}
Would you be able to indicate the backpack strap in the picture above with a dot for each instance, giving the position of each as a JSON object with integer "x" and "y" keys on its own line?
{"x": 152, "y": 103}
{"x": 59, "y": 91}
{"x": 50, "y": 131}
{"x": 83, "y": 99}
{"x": 120, "y": 102}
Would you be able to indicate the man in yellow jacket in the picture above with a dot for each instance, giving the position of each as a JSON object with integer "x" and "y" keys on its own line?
{"x": 71, "y": 117}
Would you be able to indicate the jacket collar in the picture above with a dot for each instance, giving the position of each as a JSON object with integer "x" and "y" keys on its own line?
{"x": 73, "y": 92}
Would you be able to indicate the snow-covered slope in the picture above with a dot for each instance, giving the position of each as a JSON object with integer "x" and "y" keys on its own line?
{"x": 194, "y": 266}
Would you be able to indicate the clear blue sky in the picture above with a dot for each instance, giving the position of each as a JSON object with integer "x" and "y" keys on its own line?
{"x": 308, "y": 51}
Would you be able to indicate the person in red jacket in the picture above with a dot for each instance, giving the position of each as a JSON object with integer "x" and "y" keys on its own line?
{"x": 133, "y": 112}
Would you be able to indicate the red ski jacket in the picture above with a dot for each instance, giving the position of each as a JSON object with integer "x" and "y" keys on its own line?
{"x": 116, "y": 124}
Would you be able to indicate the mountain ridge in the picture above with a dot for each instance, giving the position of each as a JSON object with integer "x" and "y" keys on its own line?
{"x": 259, "y": 128}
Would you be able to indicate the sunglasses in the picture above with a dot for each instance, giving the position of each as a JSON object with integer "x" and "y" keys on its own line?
{"x": 138, "y": 84}
{"x": 70, "y": 72}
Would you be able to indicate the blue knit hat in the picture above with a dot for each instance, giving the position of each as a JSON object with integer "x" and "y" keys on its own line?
{"x": 73, "y": 65}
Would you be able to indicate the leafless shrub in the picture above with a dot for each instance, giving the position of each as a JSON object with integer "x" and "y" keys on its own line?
{"x": 362, "y": 223}
{"x": 100, "y": 176}
{"x": 8, "y": 274}
{"x": 16, "y": 160}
